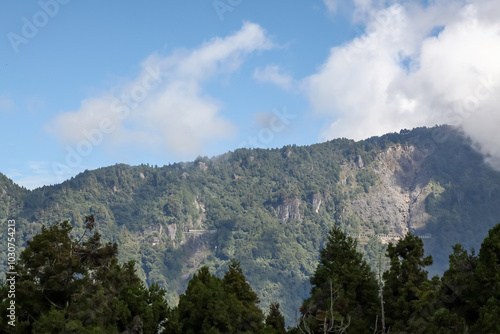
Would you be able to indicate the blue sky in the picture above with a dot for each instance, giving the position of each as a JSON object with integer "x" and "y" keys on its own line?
{"x": 87, "y": 84}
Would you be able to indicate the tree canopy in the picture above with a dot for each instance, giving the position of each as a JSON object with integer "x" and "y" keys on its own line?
{"x": 76, "y": 285}
{"x": 344, "y": 289}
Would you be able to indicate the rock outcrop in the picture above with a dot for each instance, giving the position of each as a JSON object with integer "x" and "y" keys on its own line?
{"x": 399, "y": 199}
{"x": 289, "y": 210}
{"x": 316, "y": 201}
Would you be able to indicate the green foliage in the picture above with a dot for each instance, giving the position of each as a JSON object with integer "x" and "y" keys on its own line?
{"x": 406, "y": 283}
{"x": 275, "y": 319}
{"x": 465, "y": 199}
{"x": 488, "y": 276}
{"x": 214, "y": 305}
{"x": 76, "y": 285}
{"x": 234, "y": 199}
{"x": 344, "y": 289}
{"x": 366, "y": 178}
{"x": 459, "y": 291}
{"x": 68, "y": 285}
{"x": 250, "y": 316}
{"x": 205, "y": 307}
{"x": 464, "y": 300}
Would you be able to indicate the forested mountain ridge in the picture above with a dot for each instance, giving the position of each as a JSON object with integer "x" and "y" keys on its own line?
{"x": 272, "y": 209}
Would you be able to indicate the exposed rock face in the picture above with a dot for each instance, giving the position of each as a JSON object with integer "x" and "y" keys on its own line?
{"x": 202, "y": 213}
{"x": 359, "y": 162}
{"x": 316, "y": 202}
{"x": 289, "y": 210}
{"x": 172, "y": 231}
{"x": 399, "y": 200}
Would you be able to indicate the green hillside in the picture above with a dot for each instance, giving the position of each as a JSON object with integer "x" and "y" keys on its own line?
{"x": 272, "y": 209}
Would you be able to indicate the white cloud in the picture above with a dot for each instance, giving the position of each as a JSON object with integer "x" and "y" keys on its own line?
{"x": 165, "y": 106}
{"x": 397, "y": 75}
{"x": 272, "y": 74}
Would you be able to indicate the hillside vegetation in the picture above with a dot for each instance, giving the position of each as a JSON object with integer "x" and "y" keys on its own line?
{"x": 272, "y": 209}
{"x": 70, "y": 284}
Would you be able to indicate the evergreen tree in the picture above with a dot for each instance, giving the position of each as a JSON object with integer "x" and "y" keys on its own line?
{"x": 249, "y": 314}
{"x": 460, "y": 288}
{"x": 488, "y": 276}
{"x": 205, "y": 307}
{"x": 71, "y": 285}
{"x": 344, "y": 289}
{"x": 214, "y": 305}
{"x": 409, "y": 295}
{"x": 275, "y": 319}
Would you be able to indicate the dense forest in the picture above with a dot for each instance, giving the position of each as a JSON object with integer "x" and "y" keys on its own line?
{"x": 271, "y": 211}
{"x": 76, "y": 285}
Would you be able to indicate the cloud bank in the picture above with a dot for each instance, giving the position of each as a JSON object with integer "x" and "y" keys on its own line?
{"x": 415, "y": 66}
{"x": 165, "y": 107}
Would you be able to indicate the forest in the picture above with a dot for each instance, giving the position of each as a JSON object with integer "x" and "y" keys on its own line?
{"x": 68, "y": 284}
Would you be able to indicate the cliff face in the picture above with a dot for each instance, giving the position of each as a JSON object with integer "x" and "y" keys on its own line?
{"x": 316, "y": 201}
{"x": 289, "y": 210}
{"x": 398, "y": 201}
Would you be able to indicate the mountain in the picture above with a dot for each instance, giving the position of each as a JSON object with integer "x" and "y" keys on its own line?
{"x": 272, "y": 209}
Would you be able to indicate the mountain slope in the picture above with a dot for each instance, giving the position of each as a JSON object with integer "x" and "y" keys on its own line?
{"x": 271, "y": 209}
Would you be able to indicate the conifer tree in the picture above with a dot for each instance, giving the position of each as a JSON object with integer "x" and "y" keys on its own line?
{"x": 250, "y": 315}
{"x": 488, "y": 277}
{"x": 214, "y": 305}
{"x": 205, "y": 307}
{"x": 75, "y": 285}
{"x": 275, "y": 319}
{"x": 344, "y": 289}
{"x": 459, "y": 286}
{"x": 408, "y": 294}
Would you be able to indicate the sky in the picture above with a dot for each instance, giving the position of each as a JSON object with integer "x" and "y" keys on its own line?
{"x": 88, "y": 84}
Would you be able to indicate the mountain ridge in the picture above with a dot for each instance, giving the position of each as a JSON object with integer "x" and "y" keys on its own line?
{"x": 271, "y": 208}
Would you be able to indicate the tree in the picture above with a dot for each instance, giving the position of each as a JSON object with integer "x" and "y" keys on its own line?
{"x": 72, "y": 285}
{"x": 409, "y": 295}
{"x": 275, "y": 319}
{"x": 459, "y": 285}
{"x": 488, "y": 276}
{"x": 214, "y": 305}
{"x": 205, "y": 307}
{"x": 250, "y": 315}
{"x": 344, "y": 289}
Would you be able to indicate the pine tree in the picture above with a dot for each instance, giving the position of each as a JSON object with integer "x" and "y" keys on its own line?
{"x": 344, "y": 289}
{"x": 488, "y": 276}
{"x": 214, "y": 305}
{"x": 275, "y": 319}
{"x": 250, "y": 315}
{"x": 409, "y": 295}
{"x": 206, "y": 307}
{"x": 459, "y": 286}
